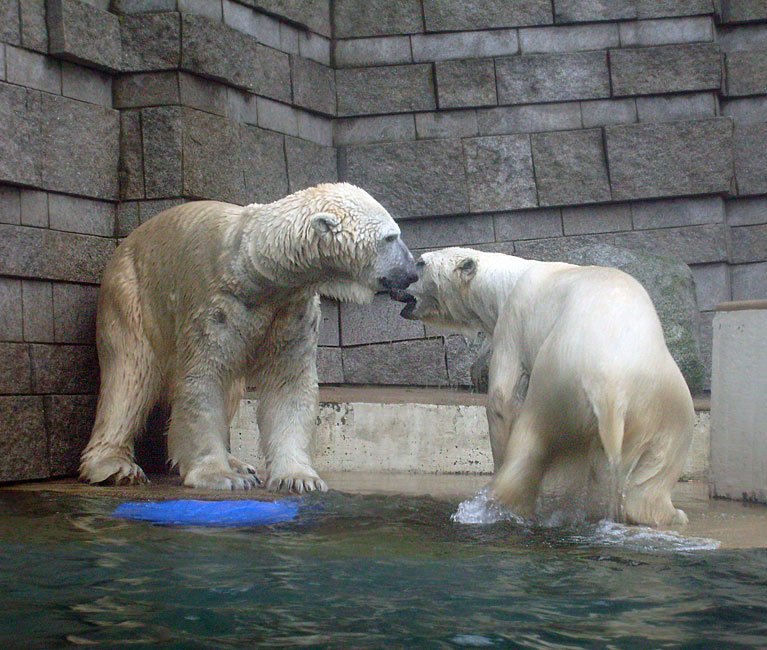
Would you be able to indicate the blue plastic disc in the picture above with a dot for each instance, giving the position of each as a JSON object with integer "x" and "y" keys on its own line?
{"x": 188, "y": 512}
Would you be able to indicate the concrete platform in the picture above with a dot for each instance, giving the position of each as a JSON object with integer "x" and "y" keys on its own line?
{"x": 736, "y": 525}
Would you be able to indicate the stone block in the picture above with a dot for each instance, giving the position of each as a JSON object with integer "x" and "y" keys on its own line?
{"x": 131, "y": 165}
{"x": 15, "y": 369}
{"x": 64, "y": 369}
{"x": 354, "y": 19}
{"x": 706, "y": 344}
{"x": 2, "y": 62}
{"x": 69, "y": 421}
{"x": 576, "y": 11}
{"x": 127, "y": 218}
{"x": 10, "y": 310}
{"x": 738, "y": 407}
{"x": 649, "y": 160}
{"x": 215, "y": 50}
{"x": 604, "y": 112}
{"x": 378, "y": 322}
{"x": 10, "y": 24}
{"x": 268, "y": 31}
{"x": 83, "y": 33}
{"x": 573, "y": 38}
{"x": 411, "y": 179}
{"x": 24, "y": 444}
{"x": 583, "y": 220}
{"x": 387, "y": 89}
{"x": 746, "y": 212}
{"x": 665, "y": 69}
{"x": 712, "y": 285}
{"x": 202, "y": 94}
{"x": 464, "y": 45}
{"x": 211, "y": 158}
{"x": 742, "y": 11}
{"x": 10, "y": 205}
{"x": 447, "y": 231}
{"x": 309, "y": 164}
{"x": 239, "y": 17}
{"x": 529, "y": 118}
{"x": 315, "y": 128}
{"x": 330, "y": 368}
{"x": 315, "y": 14}
{"x": 129, "y": 7}
{"x": 37, "y": 303}
{"x": 408, "y": 363}
{"x": 528, "y": 224}
{"x": 570, "y": 167}
{"x": 86, "y": 85}
{"x": 456, "y": 15}
{"x": 74, "y": 214}
{"x": 556, "y": 249}
{"x": 74, "y": 312}
{"x": 667, "y": 213}
{"x": 329, "y": 332}
{"x": 446, "y": 124}
{"x": 359, "y": 52}
{"x": 666, "y": 32}
{"x": 746, "y": 73}
{"x": 33, "y": 70}
{"x": 748, "y": 244}
{"x": 34, "y": 208}
{"x": 34, "y": 30}
{"x": 276, "y": 116}
{"x": 460, "y": 353}
{"x": 205, "y": 8}
{"x": 263, "y": 164}
{"x": 668, "y": 8}
{"x": 314, "y": 47}
{"x": 465, "y": 83}
{"x": 80, "y": 147}
{"x": 691, "y": 244}
{"x": 535, "y": 78}
{"x": 20, "y": 142}
{"x": 151, "y": 41}
{"x": 742, "y": 37}
{"x": 749, "y": 144}
{"x": 53, "y": 255}
{"x": 241, "y": 106}
{"x": 314, "y": 85}
{"x": 671, "y": 108}
{"x": 383, "y": 128}
{"x": 146, "y": 89}
{"x": 672, "y": 290}
{"x": 749, "y": 281}
{"x": 499, "y": 173}
{"x": 162, "y": 132}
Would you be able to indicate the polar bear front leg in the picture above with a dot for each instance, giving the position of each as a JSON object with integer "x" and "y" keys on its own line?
{"x": 503, "y": 402}
{"x": 287, "y": 413}
{"x": 198, "y": 437}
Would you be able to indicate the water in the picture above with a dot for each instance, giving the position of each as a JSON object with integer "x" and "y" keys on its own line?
{"x": 365, "y": 572}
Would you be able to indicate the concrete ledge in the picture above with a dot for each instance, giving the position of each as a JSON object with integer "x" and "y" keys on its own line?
{"x": 739, "y": 305}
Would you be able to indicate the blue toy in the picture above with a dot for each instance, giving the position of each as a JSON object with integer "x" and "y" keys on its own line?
{"x": 187, "y": 512}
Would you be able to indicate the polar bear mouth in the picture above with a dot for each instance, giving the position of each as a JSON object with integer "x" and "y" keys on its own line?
{"x": 400, "y": 295}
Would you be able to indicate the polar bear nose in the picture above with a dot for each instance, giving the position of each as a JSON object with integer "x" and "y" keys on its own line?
{"x": 411, "y": 278}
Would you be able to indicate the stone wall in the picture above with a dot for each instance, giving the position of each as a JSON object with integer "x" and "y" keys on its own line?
{"x": 530, "y": 127}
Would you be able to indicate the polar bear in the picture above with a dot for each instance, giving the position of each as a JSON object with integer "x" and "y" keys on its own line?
{"x": 207, "y": 296}
{"x": 588, "y": 342}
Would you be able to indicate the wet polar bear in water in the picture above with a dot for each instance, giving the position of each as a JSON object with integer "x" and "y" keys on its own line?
{"x": 590, "y": 342}
{"x": 208, "y": 295}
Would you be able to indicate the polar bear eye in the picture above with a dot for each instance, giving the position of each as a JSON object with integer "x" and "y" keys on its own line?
{"x": 390, "y": 238}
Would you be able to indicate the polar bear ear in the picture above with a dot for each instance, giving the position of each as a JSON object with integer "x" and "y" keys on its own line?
{"x": 325, "y": 223}
{"x": 467, "y": 268}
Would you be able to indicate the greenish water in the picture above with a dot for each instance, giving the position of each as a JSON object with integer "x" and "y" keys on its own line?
{"x": 364, "y": 572}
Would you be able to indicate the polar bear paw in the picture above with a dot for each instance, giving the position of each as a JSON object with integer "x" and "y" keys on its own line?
{"x": 112, "y": 469}
{"x": 212, "y": 477}
{"x": 298, "y": 482}
{"x": 240, "y": 467}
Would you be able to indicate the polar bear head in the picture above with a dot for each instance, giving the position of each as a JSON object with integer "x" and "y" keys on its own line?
{"x": 446, "y": 292}
{"x": 341, "y": 240}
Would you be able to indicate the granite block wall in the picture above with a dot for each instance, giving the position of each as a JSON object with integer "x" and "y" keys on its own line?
{"x": 530, "y": 127}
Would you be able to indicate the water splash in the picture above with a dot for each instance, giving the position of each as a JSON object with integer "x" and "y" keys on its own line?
{"x": 483, "y": 509}
{"x": 641, "y": 538}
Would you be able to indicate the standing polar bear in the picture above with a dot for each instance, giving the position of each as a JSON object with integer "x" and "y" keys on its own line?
{"x": 590, "y": 342}
{"x": 207, "y": 296}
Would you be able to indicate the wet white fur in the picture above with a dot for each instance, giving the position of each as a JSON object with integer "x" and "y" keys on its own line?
{"x": 590, "y": 342}
{"x": 208, "y": 296}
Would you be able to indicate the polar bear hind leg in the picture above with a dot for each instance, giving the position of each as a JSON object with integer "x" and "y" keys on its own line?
{"x": 130, "y": 385}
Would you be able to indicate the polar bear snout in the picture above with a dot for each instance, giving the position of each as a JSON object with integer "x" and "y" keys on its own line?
{"x": 397, "y": 269}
